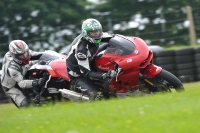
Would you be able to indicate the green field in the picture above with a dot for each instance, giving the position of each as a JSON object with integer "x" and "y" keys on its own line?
{"x": 160, "y": 113}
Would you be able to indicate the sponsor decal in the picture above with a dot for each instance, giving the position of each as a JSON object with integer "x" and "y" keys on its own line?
{"x": 14, "y": 51}
{"x": 103, "y": 68}
{"x": 136, "y": 51}
{"x": 81, "y": 56}
{"x": 129, "y": 60}
{"x": 19, "y": 44}
{"x": 14, "y": 74}
{"x": 34, "y": 73}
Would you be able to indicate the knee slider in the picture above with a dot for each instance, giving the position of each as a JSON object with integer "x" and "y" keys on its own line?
{"x": 24, "y": 103}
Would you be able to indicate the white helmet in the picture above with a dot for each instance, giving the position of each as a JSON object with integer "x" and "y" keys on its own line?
{"x": 19, "y": 51}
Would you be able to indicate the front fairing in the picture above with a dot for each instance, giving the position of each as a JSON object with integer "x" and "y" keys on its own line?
{"x": 127, "y": 52}
{"x": 131, "y": 54}
{"x": 55, "y": 64}
{"x": 47, "y": 56}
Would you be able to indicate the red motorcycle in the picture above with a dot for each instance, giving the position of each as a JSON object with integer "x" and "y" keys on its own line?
{"x": 132, "y": 60}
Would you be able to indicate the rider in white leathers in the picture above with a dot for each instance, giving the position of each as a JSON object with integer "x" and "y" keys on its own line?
{"x": 16, "y": 62}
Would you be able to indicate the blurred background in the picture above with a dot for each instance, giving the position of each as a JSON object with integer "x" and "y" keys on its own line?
{"x": 53, "y": 24}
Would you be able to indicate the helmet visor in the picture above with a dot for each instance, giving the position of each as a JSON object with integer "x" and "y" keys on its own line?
{"x": 95, "y": 34}
{"x": 23, "y": 56}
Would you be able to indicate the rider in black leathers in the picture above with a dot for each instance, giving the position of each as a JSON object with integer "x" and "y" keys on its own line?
{"x": 80, "y": 57}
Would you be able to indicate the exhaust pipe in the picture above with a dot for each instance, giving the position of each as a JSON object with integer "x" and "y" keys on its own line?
{"x": 75, "y": 96}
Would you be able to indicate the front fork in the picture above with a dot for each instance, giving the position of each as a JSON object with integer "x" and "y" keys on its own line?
{"x": 148, "y": 76}
{"x": 151, "y": 71}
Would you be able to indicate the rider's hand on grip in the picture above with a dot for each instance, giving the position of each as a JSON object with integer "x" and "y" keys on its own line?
{"x": 39, "y": 82}
{"x": 110, "y": 74}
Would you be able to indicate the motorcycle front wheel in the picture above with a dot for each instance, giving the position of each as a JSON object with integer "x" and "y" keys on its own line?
{"x": 170, "y": 80}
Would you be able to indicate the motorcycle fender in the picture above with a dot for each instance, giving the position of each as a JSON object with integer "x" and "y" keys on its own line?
{"x": 151, "y": 71}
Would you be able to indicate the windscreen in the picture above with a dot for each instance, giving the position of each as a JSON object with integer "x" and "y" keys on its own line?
{"x": 120, "y": 45}
{"x": 50, "y": 55}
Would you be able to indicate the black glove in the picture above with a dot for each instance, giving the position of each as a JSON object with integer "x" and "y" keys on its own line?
{"x": 110, "y": 74}
{"x": 39, "y": 82}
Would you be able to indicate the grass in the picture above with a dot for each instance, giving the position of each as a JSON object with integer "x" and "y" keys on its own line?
{"x": 160, "y": 113}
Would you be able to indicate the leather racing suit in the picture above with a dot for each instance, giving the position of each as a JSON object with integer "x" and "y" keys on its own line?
{"x": 12, "y": 78}
{"x": 79, "y": 66}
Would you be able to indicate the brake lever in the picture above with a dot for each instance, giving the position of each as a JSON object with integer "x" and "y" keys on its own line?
{"x": 117, "y": 69}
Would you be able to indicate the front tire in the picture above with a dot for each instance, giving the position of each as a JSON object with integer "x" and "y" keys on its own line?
{"x": 171, "y": 79}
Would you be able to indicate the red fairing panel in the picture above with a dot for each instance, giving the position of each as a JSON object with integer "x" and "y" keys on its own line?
{"x": 152, "y": 71}
{"x": 59, "y": 67}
